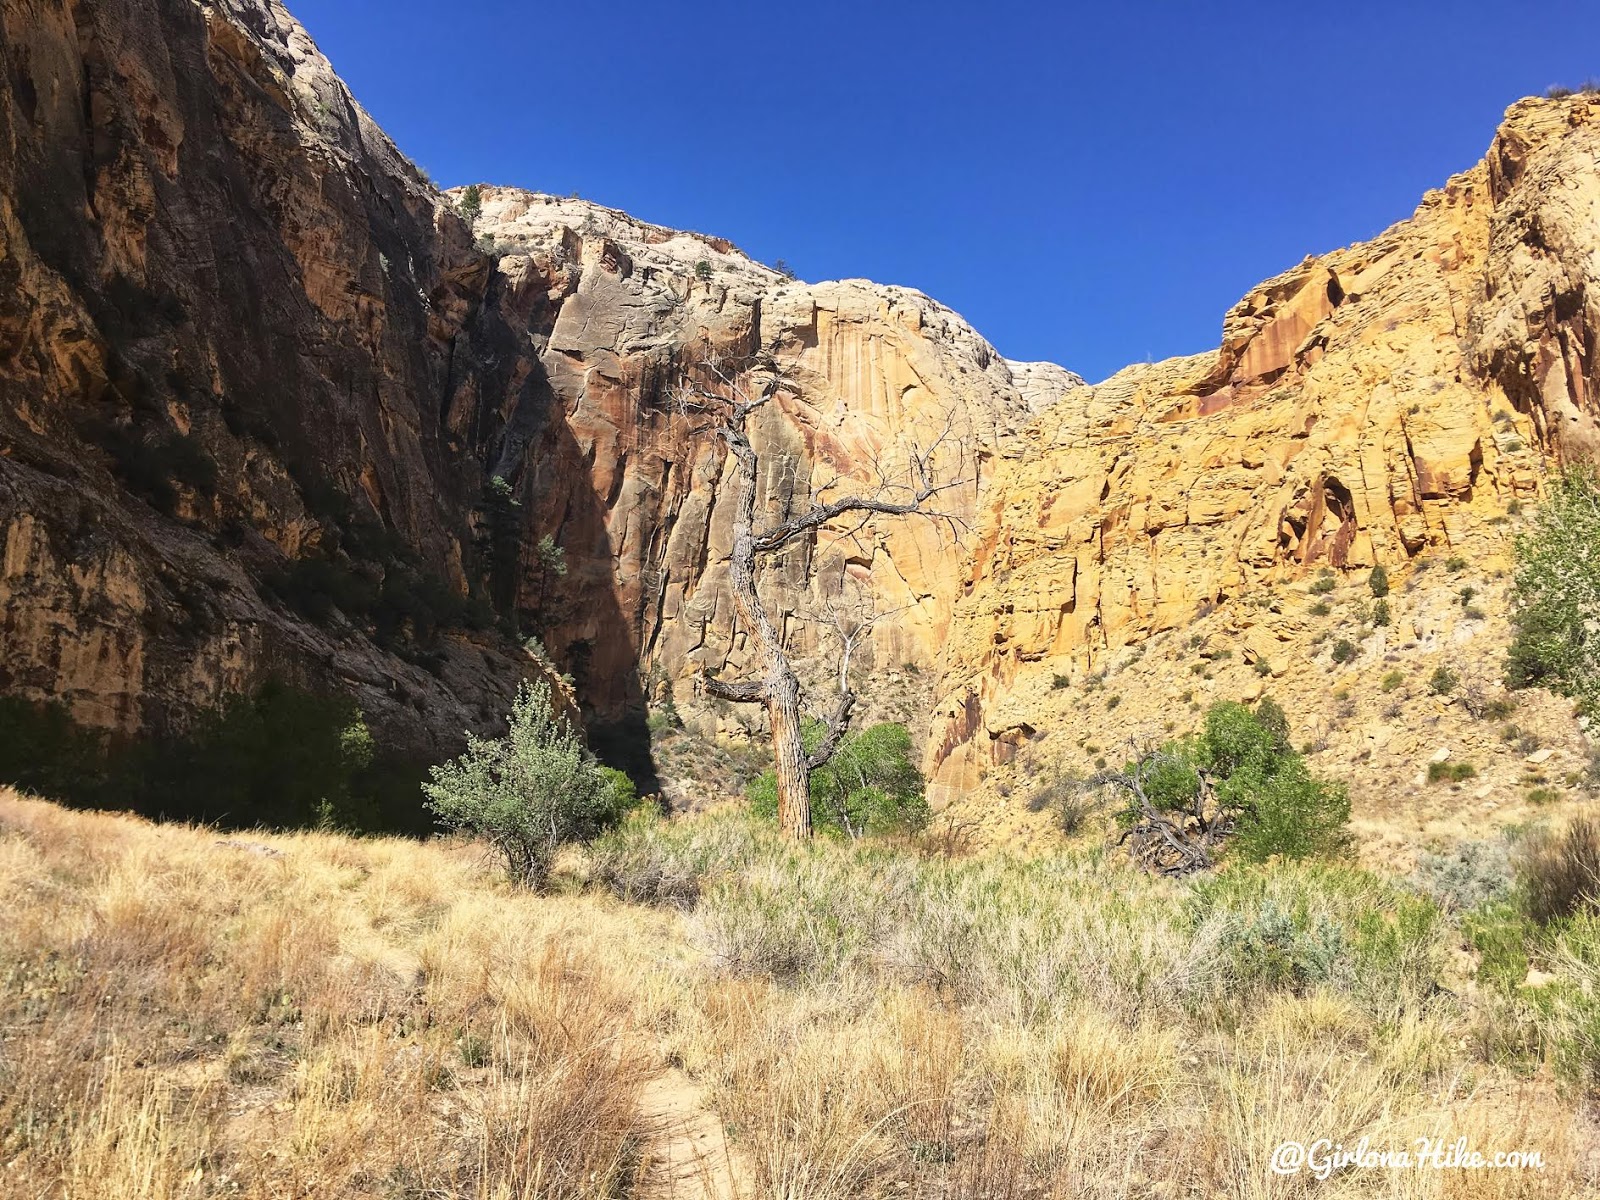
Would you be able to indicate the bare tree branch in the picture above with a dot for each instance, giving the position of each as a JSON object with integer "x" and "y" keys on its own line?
{"x": 1168, "y": 841}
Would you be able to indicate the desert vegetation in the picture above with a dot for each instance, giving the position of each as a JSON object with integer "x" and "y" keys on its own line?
{"x": 1557, "y": 594}
{"x": 190, "y": 1015}
{"x": 306, "y": 1014}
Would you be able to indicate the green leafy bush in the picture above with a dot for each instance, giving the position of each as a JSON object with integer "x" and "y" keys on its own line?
{"x": 1556, "y": 595}
{"x": 1443, "y": 681}
{"x": 869, "y": 786}
{"x": 1344, "y": 650}
{"x": 527, "y": 793}
{"x": 471, "y": 205}
{"x": 1277, "y": 808}
{"x": 1378, "y": 581}
{"x": 1324, "y": 583}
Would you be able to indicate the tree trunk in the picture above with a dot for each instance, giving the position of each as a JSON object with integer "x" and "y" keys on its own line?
{"x": 779, "y": 688}
{"x": 794, "y": 777}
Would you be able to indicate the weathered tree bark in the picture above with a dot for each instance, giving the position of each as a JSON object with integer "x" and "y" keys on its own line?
{"x": 778, "y": 687}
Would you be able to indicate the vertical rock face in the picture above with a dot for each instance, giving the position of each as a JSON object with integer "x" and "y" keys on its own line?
{"x": 619, "y": 310}
{"x": 230, "y": 312}
{"x": 1364, "y": 407}
{"x": 240, "y": 335}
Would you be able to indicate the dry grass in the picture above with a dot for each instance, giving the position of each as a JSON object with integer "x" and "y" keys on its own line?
{"x": 313, "y": 1016}
{"x": 298, "y": 1016}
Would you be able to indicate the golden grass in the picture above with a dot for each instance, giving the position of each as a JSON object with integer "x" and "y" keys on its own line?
{"x": 304, "y": 1015}
{"x": 186, "y": 1015}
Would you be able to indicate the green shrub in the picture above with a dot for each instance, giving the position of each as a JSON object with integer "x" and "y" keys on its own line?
{"x": 1260, "y": 784}
{"x": 1378, "y": 581}
{"x": 1344, "y": 650}
{"x": 869, "y": 786}
{"x": 1297, "y": 926}
{"x": 1267, "y": 949}
{"x": 1556, "y": 595}
{"x": 1455, "y": 563}
{"x": 1059, "y": 682}
{"x": 1324, "y": 583}
{"x": 702, "y": 270}
{"x": 621, "y": 794}
{"x": 1381, "y": 613}
{"x": 1500, "y": 933}
{"x": 1451, "y": 772}
{"x": 1321, "y": 608}
{"x": 1391, "y": 680}
{"x": 1443, "y": 681}
{"x": 471, "y": 205}
{"x": 527, "y": 793}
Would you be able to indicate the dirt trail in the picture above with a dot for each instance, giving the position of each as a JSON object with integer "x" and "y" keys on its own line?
{"x": 688, "y": 1156}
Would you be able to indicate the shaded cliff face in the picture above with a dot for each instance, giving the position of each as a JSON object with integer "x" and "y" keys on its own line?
{"x": 231, "y": 314}
{"x": 1372, "y": 406}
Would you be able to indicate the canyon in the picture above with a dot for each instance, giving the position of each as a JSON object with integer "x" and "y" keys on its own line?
{"x": 273, "y": 405}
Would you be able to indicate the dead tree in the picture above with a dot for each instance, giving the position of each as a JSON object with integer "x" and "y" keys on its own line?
{"x": 724, "y": 398}
{"x": 1166, "y": 840}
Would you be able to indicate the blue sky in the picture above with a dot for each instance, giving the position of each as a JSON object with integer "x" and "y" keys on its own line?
{"x": 1092, "y": 184}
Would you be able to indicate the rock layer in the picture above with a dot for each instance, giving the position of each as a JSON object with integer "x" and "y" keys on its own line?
{"x": 260, "y": 378}
{"x": 243, "y": 340}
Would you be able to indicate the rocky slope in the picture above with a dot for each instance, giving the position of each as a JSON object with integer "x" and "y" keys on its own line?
{"x": 1390, "y": 403}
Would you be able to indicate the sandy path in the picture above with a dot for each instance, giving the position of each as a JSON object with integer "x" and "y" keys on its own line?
{"x": 688, "y": 1156}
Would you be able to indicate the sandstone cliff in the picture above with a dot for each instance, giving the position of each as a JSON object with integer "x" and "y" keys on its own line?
{"x": 618, "y": 309}
{"x": 259, "y": 375}
{"x": 230, "y": 313}
{"x": 1376, "y": 405}
{"x": 260, "y": 378}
